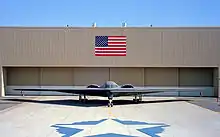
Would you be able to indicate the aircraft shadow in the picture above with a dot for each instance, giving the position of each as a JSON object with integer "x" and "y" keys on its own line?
{"x": 91, "y": 102}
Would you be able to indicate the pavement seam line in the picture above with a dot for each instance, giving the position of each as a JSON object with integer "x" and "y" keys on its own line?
{"x": 203, "y": 107}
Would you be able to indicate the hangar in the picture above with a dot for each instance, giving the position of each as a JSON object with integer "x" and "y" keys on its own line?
{"x": 64, "y": 56}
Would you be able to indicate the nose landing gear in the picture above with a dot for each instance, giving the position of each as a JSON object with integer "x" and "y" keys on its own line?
{"x": 110, "y": 104}
{"x": 110, "y": 99}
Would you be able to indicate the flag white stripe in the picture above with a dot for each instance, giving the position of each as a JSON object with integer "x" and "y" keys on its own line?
{"x": 116, "y": 40}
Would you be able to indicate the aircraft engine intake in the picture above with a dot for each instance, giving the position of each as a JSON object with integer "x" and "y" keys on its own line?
{"x": 93, "y": 86}
{"x": 127, "y": 86}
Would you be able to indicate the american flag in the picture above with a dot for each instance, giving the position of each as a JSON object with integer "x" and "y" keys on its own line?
{"x": 110, "y": 45}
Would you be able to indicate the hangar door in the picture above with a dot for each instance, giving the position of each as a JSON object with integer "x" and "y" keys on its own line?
{"x": 86, "y": 76}
{"x": 23, "y": 76}
{"x": 196, "y": 77}
{"x": 51, "y": 76}
{"x": 161, "y": 77}
{"x": 30, "y": 76}
{"x": 132, "y": 76}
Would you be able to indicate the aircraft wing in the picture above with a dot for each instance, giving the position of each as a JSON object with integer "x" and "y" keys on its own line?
{"x": 73, "y": 90}
{"x": 115, "y": 91}
{"x": 148, "y": 90}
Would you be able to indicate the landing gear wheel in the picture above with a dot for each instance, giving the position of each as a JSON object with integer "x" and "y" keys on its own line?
{"x": 85, "y": 100}
{"x": 140, "y": 98}
{"x": 110, "y": 104}
{"x": 136, "y": 100}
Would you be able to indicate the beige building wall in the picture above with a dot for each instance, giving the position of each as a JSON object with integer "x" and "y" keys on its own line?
{"x": 146, "y": 47}
{"x": 155, "y": 48}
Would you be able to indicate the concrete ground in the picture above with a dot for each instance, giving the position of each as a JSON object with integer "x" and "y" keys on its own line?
{"x": 58, "y": 116}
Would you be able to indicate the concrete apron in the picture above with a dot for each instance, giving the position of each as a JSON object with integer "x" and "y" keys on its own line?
{"x": 61, "y": 116}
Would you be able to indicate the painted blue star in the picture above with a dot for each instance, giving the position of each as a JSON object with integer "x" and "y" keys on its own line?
{"x": 110, "y": 127}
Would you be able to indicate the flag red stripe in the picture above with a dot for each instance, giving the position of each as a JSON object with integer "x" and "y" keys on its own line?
{"x": 110, "y": 48}
{"x": 110, "y": 54}
{"x": 110, "y": 51}
{"x": 116, "y": 36}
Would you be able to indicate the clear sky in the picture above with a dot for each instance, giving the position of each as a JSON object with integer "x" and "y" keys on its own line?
{"x": 109, "y": 12}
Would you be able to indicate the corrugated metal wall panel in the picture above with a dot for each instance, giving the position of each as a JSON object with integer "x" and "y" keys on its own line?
{"x": 161, "y": 77}
{"x": 47, "y": 45}
{"x": 209, "y": 46}
{"x": 132, "y": 76}
{"x": 146, "y": 47}
{"x": 23, "y": 76}
{"x": 172, "y": 51}
{"x": 33, "y": 46}
{"x": 195, "y": 77}
{"x": 7, "y": 45}
{"x": 56, "y": 76}
{"x": 86, "y": 76}
{"x": 189, "y": 40}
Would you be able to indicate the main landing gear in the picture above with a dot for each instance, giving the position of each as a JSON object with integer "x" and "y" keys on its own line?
{"x": 82, "y": 99}
{"x": 139, "y": 99}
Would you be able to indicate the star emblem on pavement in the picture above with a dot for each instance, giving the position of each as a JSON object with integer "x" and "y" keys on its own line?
{"x": 110, "y": 127}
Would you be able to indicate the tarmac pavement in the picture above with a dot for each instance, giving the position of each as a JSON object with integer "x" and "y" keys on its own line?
{"x": 59, "y": 116}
